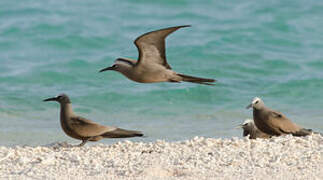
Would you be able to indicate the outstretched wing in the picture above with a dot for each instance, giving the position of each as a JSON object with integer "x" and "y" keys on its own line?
{"x": 87, "y": 128}
{"x": 151, "y": 46}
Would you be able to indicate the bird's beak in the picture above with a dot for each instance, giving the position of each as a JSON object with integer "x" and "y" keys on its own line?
{"x": 239, "y": 126}
{"x": 51, "y": 99}
{"x": 107, "y": 69}
{"x": 249, "y": 106}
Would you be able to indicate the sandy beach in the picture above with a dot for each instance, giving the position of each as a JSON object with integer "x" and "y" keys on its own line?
{"x": 284, "y": 157}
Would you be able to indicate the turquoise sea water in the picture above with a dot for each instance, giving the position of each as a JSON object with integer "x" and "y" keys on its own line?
{"x": 270, "y": 49}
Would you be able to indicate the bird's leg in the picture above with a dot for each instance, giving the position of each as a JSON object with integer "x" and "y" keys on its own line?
{"x": 83, "y": 142}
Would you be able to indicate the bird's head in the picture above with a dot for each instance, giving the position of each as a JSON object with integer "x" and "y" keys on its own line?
{"x": 248, "y": 123}
{"x": 248, "y": 127}
{"x": 256, "y": 103}
{"x": 120, "y": 65}
{"x": 62, "y": 98}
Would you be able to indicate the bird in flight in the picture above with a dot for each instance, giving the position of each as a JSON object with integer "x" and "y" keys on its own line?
{"x": 152, "y": 66}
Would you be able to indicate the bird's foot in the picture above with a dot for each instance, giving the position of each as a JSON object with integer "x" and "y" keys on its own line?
{"x": 82, "y": 143}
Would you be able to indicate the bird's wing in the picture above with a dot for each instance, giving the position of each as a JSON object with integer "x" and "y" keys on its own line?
{"x": 282, "y": 124}
{"x": 87, "y": 128}
{"x": 151, "y": 46}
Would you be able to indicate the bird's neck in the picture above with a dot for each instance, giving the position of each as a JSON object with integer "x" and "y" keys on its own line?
{"x": 256, "y": 113}
{"x": 132, "y": 73}
{"x": 250, "y": 131}
{"x": 253, "y": 132}
{"x": 66, "y": 111}
{"x": 246, "y": 132}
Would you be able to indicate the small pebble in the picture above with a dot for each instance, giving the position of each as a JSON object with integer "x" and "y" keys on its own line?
{"x": 198, "y": 158}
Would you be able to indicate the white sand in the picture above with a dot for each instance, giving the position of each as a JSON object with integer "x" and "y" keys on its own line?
{"x": 200, "y": 158}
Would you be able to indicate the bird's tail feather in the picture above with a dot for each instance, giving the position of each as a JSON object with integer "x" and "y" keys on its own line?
{"x": 122, "y": 133}
{"x": 197, "y": 79}
{"x": 303, "y": 132}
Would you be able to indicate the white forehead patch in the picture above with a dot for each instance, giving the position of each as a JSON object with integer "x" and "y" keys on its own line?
{"x": 255, "y": 100}
{"x": 248, "y": 121}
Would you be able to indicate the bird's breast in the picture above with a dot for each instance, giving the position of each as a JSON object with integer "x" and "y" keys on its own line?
{"x": 262, "y": 122}
{"x": 147, "y": 74}
{"x": 65, "y": 123}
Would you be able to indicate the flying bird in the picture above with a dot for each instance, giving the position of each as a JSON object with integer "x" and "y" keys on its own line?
{"x": 84, "y": 129}
{"x": 152, "y": 66}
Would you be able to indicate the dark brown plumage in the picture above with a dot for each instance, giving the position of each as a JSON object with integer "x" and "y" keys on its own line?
{"x": 84, "y": 129}
{"x": 274, "y": 123}
{"x": 151, "y": 46}
{"x": 152, "y": 66}
{"x": 250, "y": 129}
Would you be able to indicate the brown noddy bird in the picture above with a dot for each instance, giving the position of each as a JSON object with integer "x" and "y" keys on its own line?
{"x": 152, "y": 65}
{"x": 84, "y": 129}
{"x": 250, "y": 129}
{"x": 273, "y": 122}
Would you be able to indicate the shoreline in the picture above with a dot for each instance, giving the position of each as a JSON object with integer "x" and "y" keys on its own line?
{"x": 284, "y": 157}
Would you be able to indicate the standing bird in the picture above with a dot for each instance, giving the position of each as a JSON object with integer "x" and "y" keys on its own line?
{"x": 83, "y": 129}
{"x": 152, "y": 65}
{"x": 250, "y": 129}
{"x": 274, "y": 123}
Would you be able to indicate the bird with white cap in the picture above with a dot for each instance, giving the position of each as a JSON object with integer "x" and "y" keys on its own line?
{"x": 250, "y": 129}
{"x": 273, "y": 122}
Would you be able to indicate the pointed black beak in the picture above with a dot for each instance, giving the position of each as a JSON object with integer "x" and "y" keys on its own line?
{"x": 107, "y": 69}
{"x": 249, "y": 106}
{"x": 51, "y": 99}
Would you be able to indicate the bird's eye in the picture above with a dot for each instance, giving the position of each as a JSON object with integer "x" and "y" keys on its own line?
{"x": 256, "y": 102}
{"x": 115, "y": 66}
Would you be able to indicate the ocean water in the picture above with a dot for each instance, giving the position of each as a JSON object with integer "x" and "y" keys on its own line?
{"x": 271, "y": 49}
